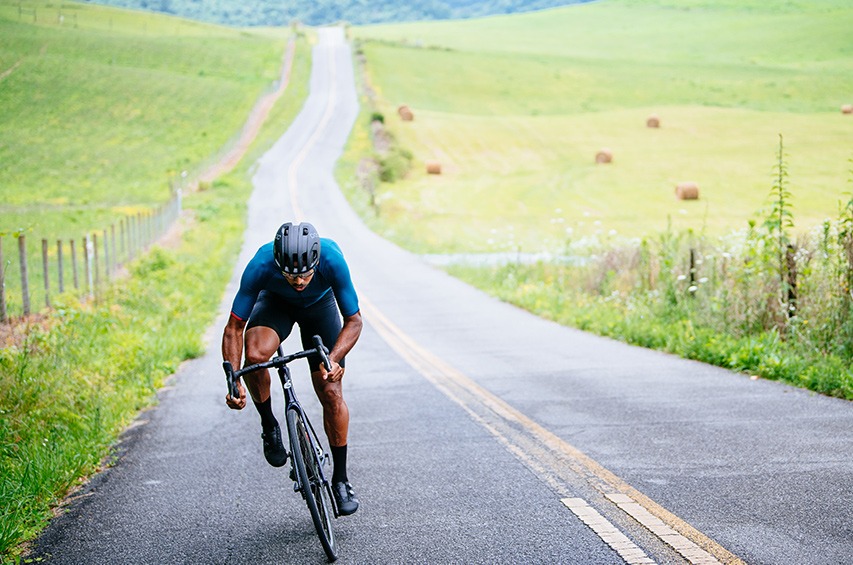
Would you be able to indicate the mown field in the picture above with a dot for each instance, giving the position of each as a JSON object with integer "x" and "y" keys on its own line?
{"x": 75, "y": 376}
{"x": 516, "y": 108}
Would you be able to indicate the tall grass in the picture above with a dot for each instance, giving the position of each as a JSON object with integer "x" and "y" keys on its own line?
{"x": 758, "y": 300}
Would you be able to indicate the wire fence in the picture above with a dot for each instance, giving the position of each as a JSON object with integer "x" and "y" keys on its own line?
{"x": 32, "y": 274}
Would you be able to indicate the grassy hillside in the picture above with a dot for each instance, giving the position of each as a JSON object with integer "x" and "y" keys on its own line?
{"x": 516, "y": 108}
{"x": 102, "y": 109}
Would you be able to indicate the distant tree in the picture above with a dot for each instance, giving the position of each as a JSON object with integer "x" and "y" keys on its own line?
{"x": 320, "y": 12}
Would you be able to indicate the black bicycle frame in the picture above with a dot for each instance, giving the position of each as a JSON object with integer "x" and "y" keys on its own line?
{"x": 280, "y": 362}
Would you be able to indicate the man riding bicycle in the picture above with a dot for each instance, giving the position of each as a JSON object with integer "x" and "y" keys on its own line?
{"x": 298, "y": 278}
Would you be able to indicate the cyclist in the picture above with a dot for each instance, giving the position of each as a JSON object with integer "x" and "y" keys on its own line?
{"x": 298, "y": 278}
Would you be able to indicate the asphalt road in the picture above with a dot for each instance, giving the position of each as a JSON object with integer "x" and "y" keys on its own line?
{"x": 479, "y": 433}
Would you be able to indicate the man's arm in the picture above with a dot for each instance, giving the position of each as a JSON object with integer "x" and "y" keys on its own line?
{"x": 345, "y": 342}
{"x": 232, "y": 351}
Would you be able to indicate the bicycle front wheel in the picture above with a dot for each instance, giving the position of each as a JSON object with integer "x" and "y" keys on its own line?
{"x": 316, "y": 494}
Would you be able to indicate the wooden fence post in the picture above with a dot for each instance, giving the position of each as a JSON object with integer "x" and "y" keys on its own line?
{"x": 122, "y": 230}
{"x": 25, "y": 279}
{"x": 144, "y": 222}
{"x": 87, "y": 250}
{"x": 74, "y": 264}
{"x": 692, "y": 267}
{"x": 106, "y": 256}
{"x": 131, "y": 237}
{"x": 46, "y": 270}
{"x": 791, "y": 271}
{"x": 60, "y": 263}
{"x": 96, "y": 267}
{"x": 116, "y": 260}
{"x": 2, "y": 284}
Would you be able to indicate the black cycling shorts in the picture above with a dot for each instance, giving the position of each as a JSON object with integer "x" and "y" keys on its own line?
{"x": 321, "y": 318}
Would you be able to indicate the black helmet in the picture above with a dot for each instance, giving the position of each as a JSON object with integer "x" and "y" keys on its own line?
{"x": 296, "y": 248}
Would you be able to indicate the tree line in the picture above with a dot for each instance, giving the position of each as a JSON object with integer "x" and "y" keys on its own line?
{"x": 321, "y": 12}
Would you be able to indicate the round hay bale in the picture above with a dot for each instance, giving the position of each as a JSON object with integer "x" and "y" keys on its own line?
{"x": 604, "y": 156}
{"x": 687, "y": 191}
{"x": 406, "y": 113}
{"x": 847, "y": 109}
{"x": 433, "y": 168}
{"x": 653, "y": 121}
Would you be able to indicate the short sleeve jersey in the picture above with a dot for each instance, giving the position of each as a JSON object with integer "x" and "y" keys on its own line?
{"x": 331, "y": 275}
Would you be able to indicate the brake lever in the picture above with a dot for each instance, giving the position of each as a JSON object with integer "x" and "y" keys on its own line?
{"x": 323, "y": 352}
{"x": 233, "y": 391}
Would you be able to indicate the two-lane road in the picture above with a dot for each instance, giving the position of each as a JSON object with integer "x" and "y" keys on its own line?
{"x": 479, "y": 433}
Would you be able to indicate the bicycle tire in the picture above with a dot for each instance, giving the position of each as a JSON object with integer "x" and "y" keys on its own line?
{"x": 316, "y": 494}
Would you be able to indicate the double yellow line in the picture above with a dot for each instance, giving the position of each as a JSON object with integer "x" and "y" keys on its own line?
{"x": 557, "y": 462}
{"x": 331, "y": 102}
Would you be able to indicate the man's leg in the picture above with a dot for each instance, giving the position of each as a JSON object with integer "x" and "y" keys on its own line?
{"x": 335, "y": 411}
{"x": 261, "y": 344}
{"x": 323, "y": 319}
{"x": 336, "y": 424}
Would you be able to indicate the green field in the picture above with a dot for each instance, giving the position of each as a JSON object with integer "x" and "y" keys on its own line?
{"x": 102, "y": 110}
{"x": 516, "y": 108}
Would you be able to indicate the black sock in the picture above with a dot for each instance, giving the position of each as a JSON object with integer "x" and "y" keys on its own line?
{"x": 339, "y": 457}
{"x": 268, "y": 421}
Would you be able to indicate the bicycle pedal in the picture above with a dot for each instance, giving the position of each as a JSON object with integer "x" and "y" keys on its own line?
{"x": 295, "y": 487}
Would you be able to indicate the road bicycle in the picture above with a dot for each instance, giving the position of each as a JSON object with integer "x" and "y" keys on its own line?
{"x": 307, "y": 456}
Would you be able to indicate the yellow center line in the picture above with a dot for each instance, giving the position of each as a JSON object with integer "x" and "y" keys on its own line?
{"x": 545, "y": 453}
{"x": 324, "y": 121}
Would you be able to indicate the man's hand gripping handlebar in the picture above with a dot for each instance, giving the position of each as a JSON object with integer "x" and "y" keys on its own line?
{"x": 236, "y": 398}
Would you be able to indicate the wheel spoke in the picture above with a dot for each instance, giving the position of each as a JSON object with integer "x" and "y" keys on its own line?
{"x": 307, "y": 463}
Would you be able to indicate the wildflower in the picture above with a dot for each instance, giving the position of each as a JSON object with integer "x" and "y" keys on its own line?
{"x": 692, "y": 289}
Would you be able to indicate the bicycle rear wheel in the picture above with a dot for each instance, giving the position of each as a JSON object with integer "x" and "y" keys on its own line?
{"x": 314, "y": 491}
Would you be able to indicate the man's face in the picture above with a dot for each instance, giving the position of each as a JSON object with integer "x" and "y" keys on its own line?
{"x": 300, "y": 281}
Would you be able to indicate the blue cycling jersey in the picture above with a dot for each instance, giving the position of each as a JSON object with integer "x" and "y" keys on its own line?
{"x": 331, "y": 275}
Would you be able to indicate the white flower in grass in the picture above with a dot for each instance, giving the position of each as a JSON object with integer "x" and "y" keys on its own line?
{"x": 703, "y": 280}
{"x": 692, "y": 289}
{"x": 681, "y": 278}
